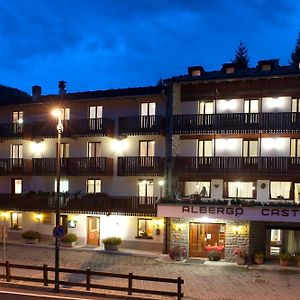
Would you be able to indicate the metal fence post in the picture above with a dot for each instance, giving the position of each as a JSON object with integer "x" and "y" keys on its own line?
{"x": 179, "y": 288}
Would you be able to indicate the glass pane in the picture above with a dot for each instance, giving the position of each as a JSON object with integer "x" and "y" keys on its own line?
{"x": 253, "y": 151}
{"x": 151, "y": 147}
{"x": 293, "y": 147}
{"x": 280, "y": 189}
{"x": 245, "y": 149}
{"x": 144, "y": 109}
{"x": 200, "y": 148}
{"x": 143, "y": 148}
{"x": 254, "y": 106}
{"x": 99, "y": 112}
{"x": 201, "y": 106}
{"x": 152, "y": 107}
{"x": 246, "y": 106}
{"x": 150, "y": 189}
{"x": 294, "y": 105}
{"x": 66, "y": 114}
{"x": 92, "y": 113}
{"x": 298, "y": 147}
{"x": 98, "y": 186}
{"x": 209, "y": 108}
{"x": 240, "y": 189}
{"x": 208, "y": 148}
{"x": 142, "y": 188}
{"x": 18, "y": 186}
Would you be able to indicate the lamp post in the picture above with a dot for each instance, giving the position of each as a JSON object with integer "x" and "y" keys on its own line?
{"x": 57, "y": 114}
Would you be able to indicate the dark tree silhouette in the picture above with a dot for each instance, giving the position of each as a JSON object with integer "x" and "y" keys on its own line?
{"x": 295, "y": 56}
{"x": 241, "y": 58}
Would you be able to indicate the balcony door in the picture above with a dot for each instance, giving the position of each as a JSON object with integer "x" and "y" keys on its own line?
{"x": 146, "y": 154}
{"x": 206, "y": 109}
{"x": 17, "y": 122}
{"x": 250, "y": 153}
{"x": 204, "y": 153}
{"x": 17, "y": 156}
{"x": 251, "y": 109}
{"x": 94, "y": 154}
{"x": 145, "y": 190}
{"x": 147, "y": 110}
{"x": 295, "y": 110}
{"x": 95, "y": 117}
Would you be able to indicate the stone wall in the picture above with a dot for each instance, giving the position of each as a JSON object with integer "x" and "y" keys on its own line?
{"x": 179, "y": 234}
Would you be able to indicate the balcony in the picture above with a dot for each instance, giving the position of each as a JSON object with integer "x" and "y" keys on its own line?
{"x": 89, "y": 203}
{"x": 16, "y": 131}
{"x": 141, "y": 125}
{"x": 15, "y": 166}
{"x": 140, "y": 166}
{"x": 249, "y": 166}
{"x": 74, "y": 166}
{"x": 284, "y": 122}
{"x": 76, "y": 127}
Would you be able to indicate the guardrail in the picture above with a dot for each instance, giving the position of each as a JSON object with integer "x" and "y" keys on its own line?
{"x": 89, "y": 274}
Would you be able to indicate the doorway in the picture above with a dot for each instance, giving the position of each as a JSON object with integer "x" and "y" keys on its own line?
{"x": 93, "y": 231}
{"x": 205, "y": 238}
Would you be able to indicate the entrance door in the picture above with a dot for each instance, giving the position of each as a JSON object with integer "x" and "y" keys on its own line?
{"x": 206, "y": 237}
{"x": 93, "y": 231}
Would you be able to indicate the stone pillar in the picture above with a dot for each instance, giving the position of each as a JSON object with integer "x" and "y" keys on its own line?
{"x": 179, "y": 234}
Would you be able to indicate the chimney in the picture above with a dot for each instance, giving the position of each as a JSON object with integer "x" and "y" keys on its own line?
{"x": 36, "y": 92}
{"x": 62, "y": 87}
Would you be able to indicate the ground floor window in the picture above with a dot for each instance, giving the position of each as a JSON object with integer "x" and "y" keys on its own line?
{"x": 16, "y": 220}
{"x": 284, "y": 241}
{"x": 145, "y": 228}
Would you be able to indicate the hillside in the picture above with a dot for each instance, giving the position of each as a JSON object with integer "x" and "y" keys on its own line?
{"x": 9, "y": 95}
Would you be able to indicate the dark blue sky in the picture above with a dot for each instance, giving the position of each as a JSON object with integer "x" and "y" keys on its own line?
{"x": 97, "y": 44}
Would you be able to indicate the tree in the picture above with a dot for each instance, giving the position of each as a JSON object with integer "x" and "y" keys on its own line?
{"x": 241, "y": 58}
{"x": 295, "y": 56}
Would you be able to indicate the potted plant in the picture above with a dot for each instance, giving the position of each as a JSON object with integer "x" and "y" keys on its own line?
{"x": 69, "y": 240}
{"x": 297, "y": 259}
{"x": 112, "y": 243}
{"x": 177, "y": 252}
{"x": 31, "y": 237}
{"x": 213, "y": 255}
{"x": 259, "y": 258}
{"x": 284, "y": 259}
{"x": 240, "y": 255}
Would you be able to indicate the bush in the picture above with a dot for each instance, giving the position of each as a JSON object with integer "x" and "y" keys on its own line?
{"x": 177, "y": 252}
{"x": 284, "y": 256}
{"x": 31, "y": 235}
{"x": 113, "y": 240}
{"x": 69, "y": 238}
{"x": 213, "y": 255}
{"x": 259, "y": 256}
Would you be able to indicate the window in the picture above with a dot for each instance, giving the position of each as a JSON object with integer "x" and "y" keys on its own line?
{"x": 147, "y": 148}
{"x": 206, "y": 107}
{"x": 145, "y": 189}
{"x": 94, "y": 149}
{"x": 250, "y": 148}
{"x": 93, "y": 186}
{"x": 148, "y": 108}
{"x": 95, "y": 117}
{"x": 16, "y": 220}
{"x": 275, "y": 241}
{"x": 16, "y": 186}
{"x": 64, "y": 150}
{"x": 198, "y": 187}
{"x": 241, "y": 189}
{"x": 63, "y": 185}
{"x": 295, "y": 148}
{"x": 145, "y": 228}
{"x": 251, "y": 106}
{"x": 47, "y": 218}
{"x": 17, "y": 120}
{"x": 280, "y": 189}
{"x": 65, "y": 114}
{"x": 205, "y": 148}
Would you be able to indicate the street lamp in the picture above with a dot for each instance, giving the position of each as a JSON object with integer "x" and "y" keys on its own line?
{"x": 161, "y": 183}
{"x": 57, "y": 113}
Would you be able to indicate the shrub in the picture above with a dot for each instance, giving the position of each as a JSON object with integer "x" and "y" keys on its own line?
{"x": 113, "y": 240}
{"x": 284, "y": 256}
{"x": 213, "y": 255}
{"x": 69, "y": 238}
{"x": 177, "y": 252}
{"x": 31, "y": 235}
{"x": 259, "y": 256}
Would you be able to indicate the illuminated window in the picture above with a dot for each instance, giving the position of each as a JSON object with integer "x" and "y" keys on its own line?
{"x": 17, "y": 120}
{"x": 250, "y": 148}
{"x": 145, "y": 228}
{"x": 280, "y": 189}
{"x": 64, "y": 150}
{"x": 145, "y": 188}
{"x": 65, "y": 115}
{"x": 17, "y": 155}
{"x": 148, "y": 108}
{"x": 198, "y": 187}
{"x": 206, "y": 107}
{"x": 47, "y": 218}
{"x": 63, "y": 185}
{"x": 205, "y": 148}
{"x": 295, "y": 148}
{"x": 251, "y": 106}
{"x": 241, "y": 189}
{"x": 95, "y": 117}
{"x": 93, "y": 186}
{"x": 17, "y": 186}
{"x": 16, "y": 220}
{"x": 94, "y": 149}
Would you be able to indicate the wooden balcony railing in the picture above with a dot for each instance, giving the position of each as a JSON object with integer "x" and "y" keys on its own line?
{"x": 15, "y": 166}
{"x": 141, "y": 125}
{"x": 76, "y": 127}
{"x": 190, "y": 166}
{"x": 237, "y": 123}
{"x": 74, "y": 166}
{"x": 89, "y": 203}
{"x": 140, "y": 166}
{"x": 16, "y": 130}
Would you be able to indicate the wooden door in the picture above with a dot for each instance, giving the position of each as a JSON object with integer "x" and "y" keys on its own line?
{"x": 64, "y": 222}
{"x": 196, "y": 240}
{"x": 93, "y": 231}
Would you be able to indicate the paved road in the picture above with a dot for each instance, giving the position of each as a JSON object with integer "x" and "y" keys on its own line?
{"x": 213, "y": 280}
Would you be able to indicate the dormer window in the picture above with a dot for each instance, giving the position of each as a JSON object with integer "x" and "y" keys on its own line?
{"x": 196, "y": 73}
{"x": 230, "y": 70}
{"x": 266, "y": 67}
